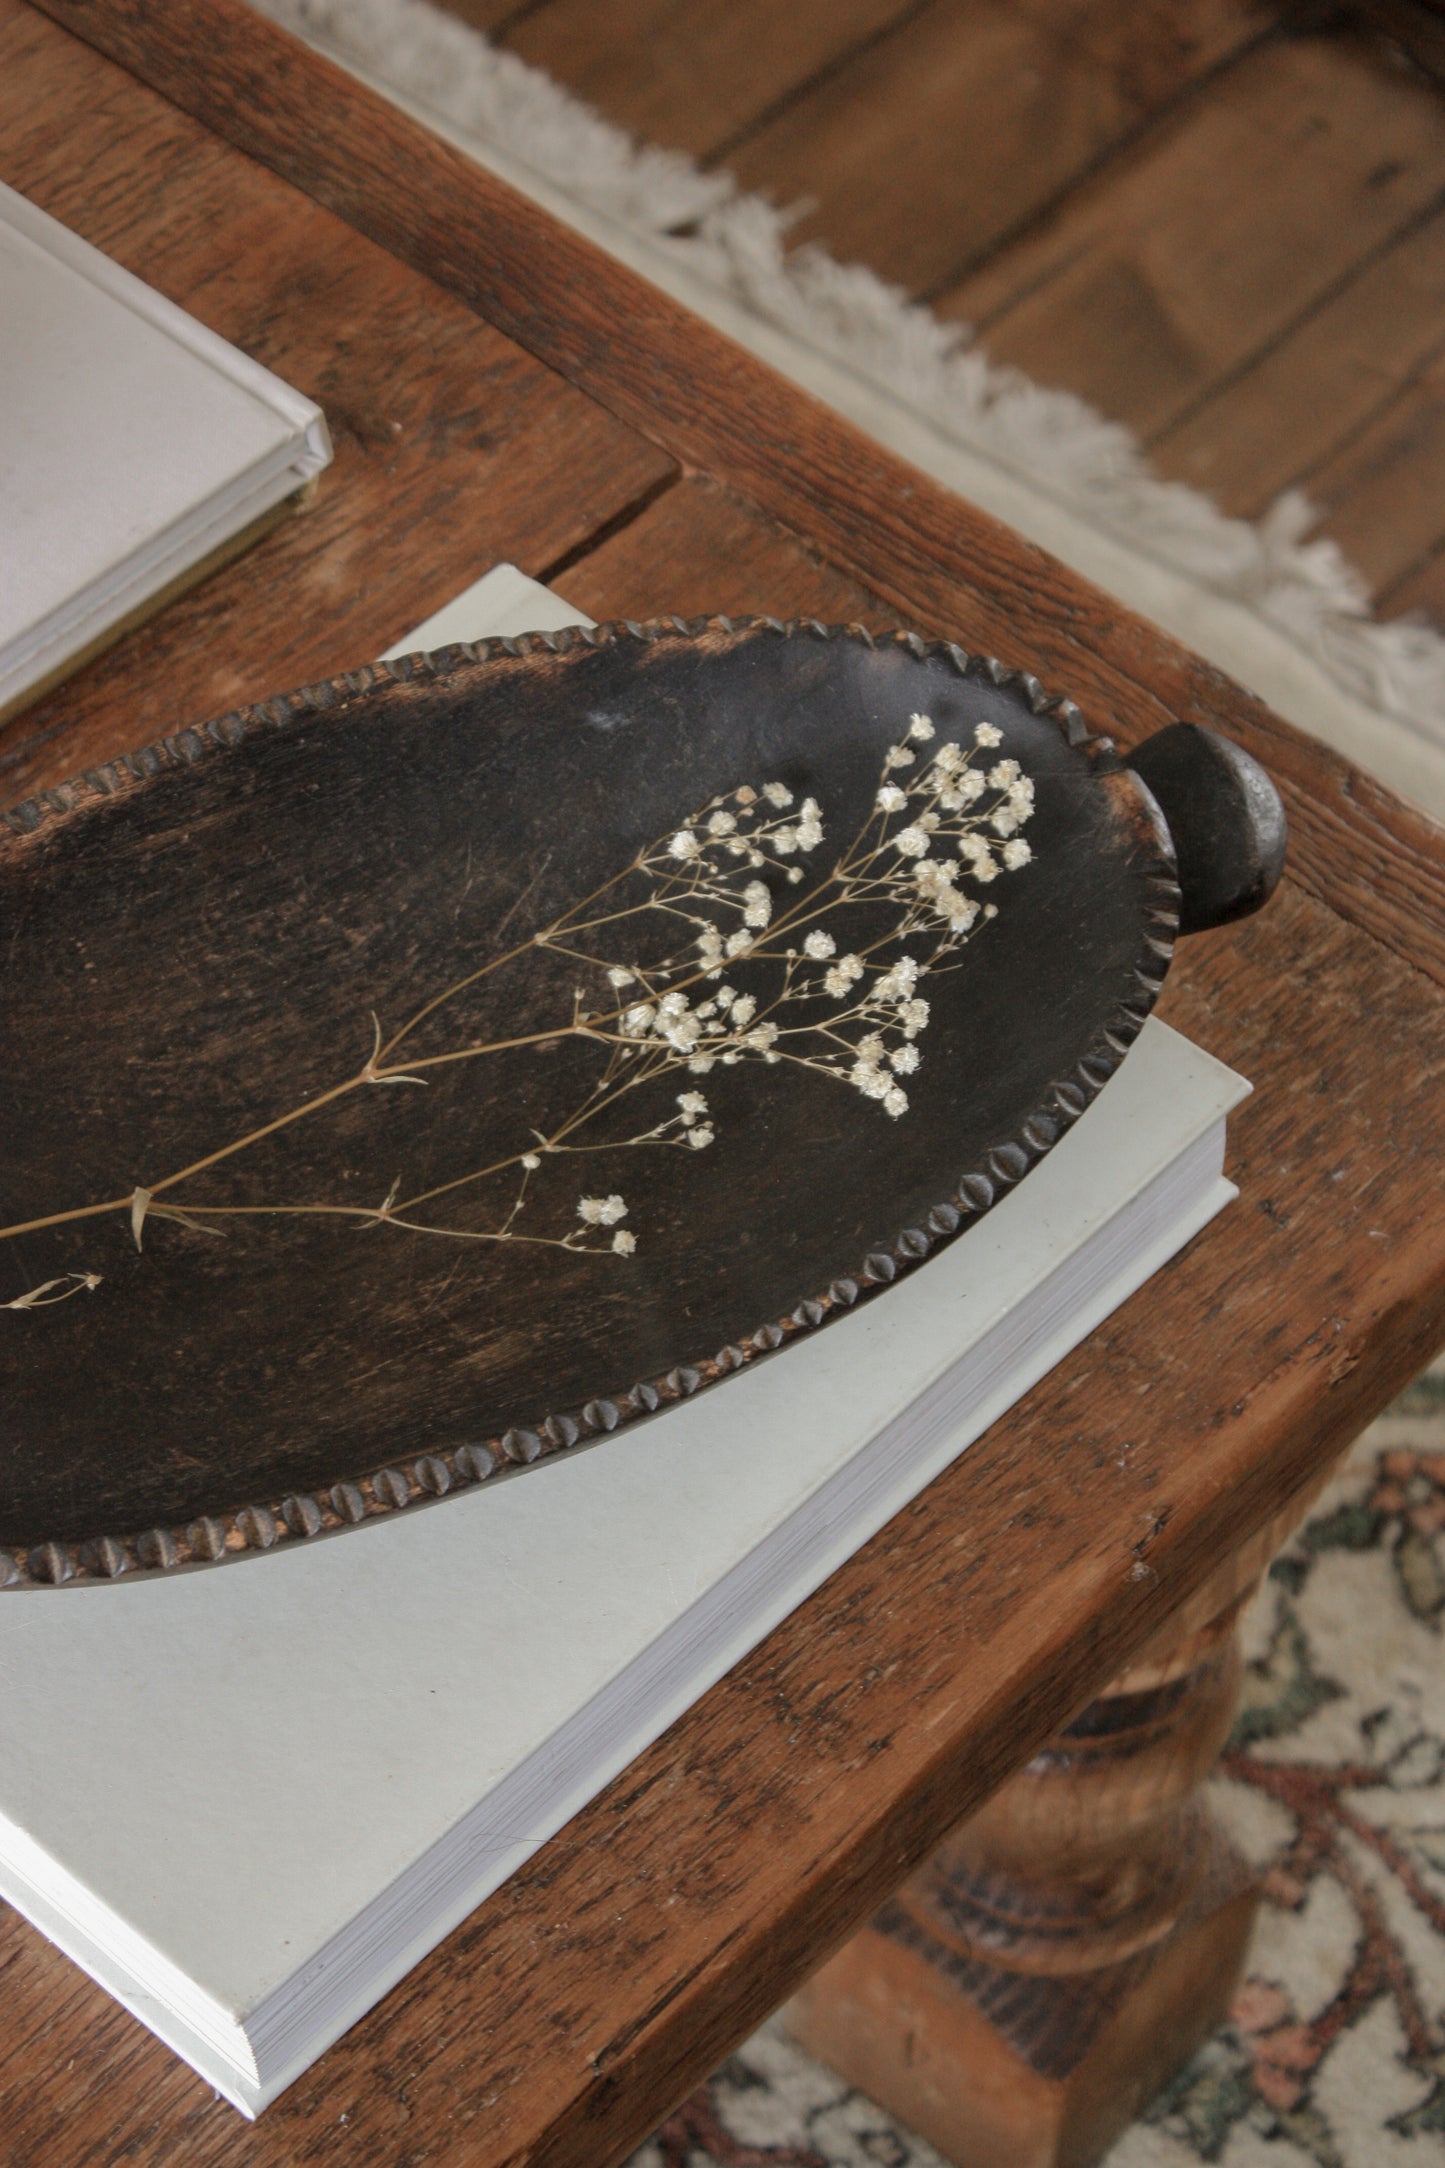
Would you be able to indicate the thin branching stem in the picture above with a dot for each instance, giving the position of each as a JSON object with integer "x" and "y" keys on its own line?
{"x": 449, "y": 993}
{"x": 703, "y": 873}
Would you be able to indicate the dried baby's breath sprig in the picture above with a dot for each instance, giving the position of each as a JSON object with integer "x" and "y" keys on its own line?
{"x": 51, "y": 1291}
{"x": 693, "y": 957}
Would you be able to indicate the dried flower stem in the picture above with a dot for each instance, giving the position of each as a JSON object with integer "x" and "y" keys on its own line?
{"x": 705, "y": 877}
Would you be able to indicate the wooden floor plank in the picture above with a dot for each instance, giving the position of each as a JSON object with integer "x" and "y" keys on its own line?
{"x": 691, "y": 73}
{"x": 440, "y": 471}
{"x": 491, "y": 17}
{"x": 1178, "y": 266}
{"x": 1383, "y": 496}
{"x": 1421, "y": 592}
{"x": 1278, "y": 421}
{"x": 941, "y": 137}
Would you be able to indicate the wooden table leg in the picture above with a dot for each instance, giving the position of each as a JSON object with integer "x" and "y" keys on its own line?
{"x": 1031, "y": 1989}
{"x": 1035, "y": 1985}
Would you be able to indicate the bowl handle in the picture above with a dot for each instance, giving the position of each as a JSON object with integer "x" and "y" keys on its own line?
{"x": 1225, "y": 818}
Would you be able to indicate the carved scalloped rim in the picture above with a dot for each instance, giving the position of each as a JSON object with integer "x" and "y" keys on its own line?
{"x": 394, "y": 1485}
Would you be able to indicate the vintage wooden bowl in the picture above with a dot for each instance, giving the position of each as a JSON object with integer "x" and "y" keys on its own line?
{"x": 261, "y": 917}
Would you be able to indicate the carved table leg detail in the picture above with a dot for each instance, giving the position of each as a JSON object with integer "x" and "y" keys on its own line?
{"x": 1026, "y": 1994}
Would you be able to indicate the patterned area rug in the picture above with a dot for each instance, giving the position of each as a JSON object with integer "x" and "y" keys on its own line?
{"x": 1334, "y": 1782}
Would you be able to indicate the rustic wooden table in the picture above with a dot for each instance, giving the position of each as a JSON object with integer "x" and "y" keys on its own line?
{"x": 498, "y": 390}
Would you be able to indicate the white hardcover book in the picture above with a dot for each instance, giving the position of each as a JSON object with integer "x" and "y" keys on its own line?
{"x": 134, "y": 445}
{"x": 306, "y": 1789}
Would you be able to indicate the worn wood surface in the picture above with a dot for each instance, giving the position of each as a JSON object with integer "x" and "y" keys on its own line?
{"x": 928, "y": 147}
{"x": 700, "y": 547}
{"x": 571, "y": 2011}
{"x": 1383, "y": 490}
{"x": 1423, "y": 586}
{"x": 1220, "y": 222}
{"x": 1151, "y": 285}
{"x": 692, "y": 74}
{"x": 491, "y": 16}
{"x": 1362, "y": 352}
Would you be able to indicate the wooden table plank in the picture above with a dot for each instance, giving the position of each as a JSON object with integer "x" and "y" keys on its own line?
{"x": 489, "y": 16}
{"x": 701, "y": 550}
{"x": 942, "y": 564}
{"x": 581, "y": 2001}
{"x": 445, "y": 462}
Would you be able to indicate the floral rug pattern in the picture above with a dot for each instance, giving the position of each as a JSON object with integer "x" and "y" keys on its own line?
{"x": 1334, "y": 1784}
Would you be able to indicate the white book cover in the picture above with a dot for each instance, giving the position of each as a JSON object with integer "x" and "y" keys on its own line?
{"x": 134, "y": 443}
{"x": 305, "y": 1790}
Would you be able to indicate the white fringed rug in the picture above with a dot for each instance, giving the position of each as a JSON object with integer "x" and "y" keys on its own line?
{"x": 1284, "y": 615}
{"x": 1334, "y": 2055}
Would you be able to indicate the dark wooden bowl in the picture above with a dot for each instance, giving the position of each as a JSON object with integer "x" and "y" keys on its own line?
{"x": 207, "y": 936}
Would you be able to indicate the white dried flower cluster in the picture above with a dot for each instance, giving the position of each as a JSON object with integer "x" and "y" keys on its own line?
{"x": 979, "y": 813}
{"x": 898, "y": 981}
{"x": 606, "y": 1212}
{"x": 697, "y": 1132}
{"x": 845, "y": 972}
{"x": 745, "y": 828}
{"x": 719, "y": 1028}
{"x": 950, "y": 826}
{"x": 950, "y": 829}
{"x": 942, "y": 895}
{"x": 601, "y": 1211}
